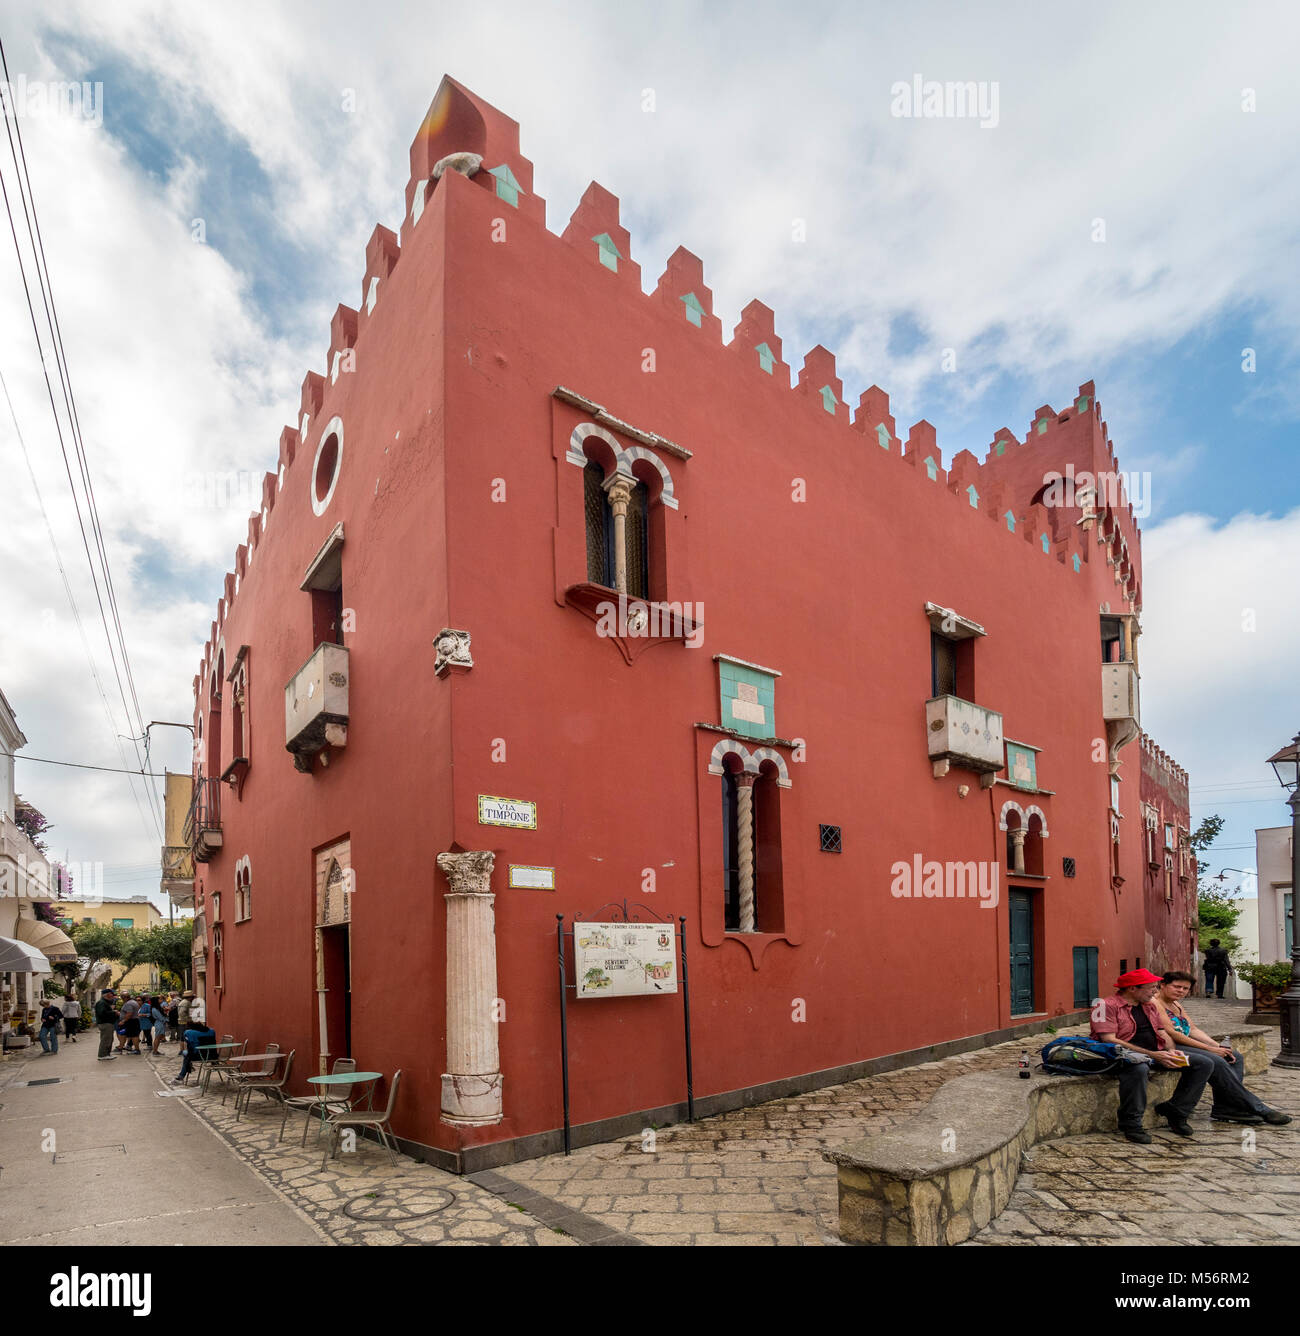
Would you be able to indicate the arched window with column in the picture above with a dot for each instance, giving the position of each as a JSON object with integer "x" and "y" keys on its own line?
{"x": 752, "y": 869}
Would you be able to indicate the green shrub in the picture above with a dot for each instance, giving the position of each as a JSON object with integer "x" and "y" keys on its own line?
{"x": 1275, "y": 976}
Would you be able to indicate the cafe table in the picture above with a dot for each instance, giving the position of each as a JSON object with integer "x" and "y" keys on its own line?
{"x": 215, "y": 1051}
{"x": 367, "y": 1079}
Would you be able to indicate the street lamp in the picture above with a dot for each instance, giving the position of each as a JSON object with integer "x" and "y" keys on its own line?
{"x": 1286, "y": 766}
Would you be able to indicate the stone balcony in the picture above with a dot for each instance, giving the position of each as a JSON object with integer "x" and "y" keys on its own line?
{"x": 1119, "y": 692}
{"x": 316, "y": 705}
{"x": 964, "y": 734}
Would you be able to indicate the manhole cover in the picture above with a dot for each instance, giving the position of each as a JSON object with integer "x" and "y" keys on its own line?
{"x": 89, "y": 1153}
{"x": 391, "y": 1206}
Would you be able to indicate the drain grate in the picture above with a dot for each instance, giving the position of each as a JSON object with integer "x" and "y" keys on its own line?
{"x": 47, "y": 1080}
{"x": 88, "y": 1153}
{"x": 398, "y": 1205}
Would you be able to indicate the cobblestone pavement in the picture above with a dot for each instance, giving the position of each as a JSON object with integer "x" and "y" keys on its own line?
{"x": 756, "y": 1176}
{"x": 1225, "y": 1185}
{"x": 361, "y": 1198}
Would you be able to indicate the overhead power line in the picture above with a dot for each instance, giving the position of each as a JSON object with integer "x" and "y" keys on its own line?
{"x": 110, "y": 617}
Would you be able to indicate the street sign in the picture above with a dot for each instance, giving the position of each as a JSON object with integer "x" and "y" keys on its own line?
{"x": 493, "y": 811}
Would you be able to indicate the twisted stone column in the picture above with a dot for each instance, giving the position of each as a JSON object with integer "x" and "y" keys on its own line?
{"x": 1018, "y": 849}
{"x": 471, "y": 1085}
{"x": 619, "y": 489}
{"x": 745, "y": 848}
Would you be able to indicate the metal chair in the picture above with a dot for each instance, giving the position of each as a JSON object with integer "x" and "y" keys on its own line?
{"x": 361, "y": 1120}
{"x": 214, "y": 1062}
{"x": 339, "y": 1097}
{"x": 223, "y": 1069}
{"x": 241, "y": 1076}
{"x": 268, "y": 1085}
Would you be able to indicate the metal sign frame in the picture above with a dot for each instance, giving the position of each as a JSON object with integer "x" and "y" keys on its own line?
{"x": 563, "y": 958}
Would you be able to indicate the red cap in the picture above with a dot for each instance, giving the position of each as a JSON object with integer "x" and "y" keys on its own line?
{"x": 1136, "y": 978}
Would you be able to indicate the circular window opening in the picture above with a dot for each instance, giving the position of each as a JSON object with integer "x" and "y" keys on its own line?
{"x": 325, "y": 472}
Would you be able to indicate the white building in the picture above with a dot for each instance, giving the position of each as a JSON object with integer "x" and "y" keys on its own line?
{"x": 1273, "y": 859}
{"x": 26, "y": 944}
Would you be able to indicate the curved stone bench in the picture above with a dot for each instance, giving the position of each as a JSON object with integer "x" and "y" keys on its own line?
{"x": 951, "y": 1169}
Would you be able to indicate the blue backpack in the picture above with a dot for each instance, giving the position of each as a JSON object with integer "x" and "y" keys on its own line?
{"x": 1077, "y": 1055}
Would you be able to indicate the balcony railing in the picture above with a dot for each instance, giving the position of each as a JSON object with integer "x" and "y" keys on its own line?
{"x": 316, "y": 705}
{"x": 963, "y": 734}
{"x": 203, "y": 821}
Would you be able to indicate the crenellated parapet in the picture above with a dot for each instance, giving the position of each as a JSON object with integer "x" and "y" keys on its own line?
{"x": 1089, "y": 529}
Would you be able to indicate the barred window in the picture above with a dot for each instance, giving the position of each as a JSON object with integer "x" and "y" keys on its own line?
{"x": 600, "y": 527}
{"x": 638, "y": 527}
{"x": 601, "y": 564}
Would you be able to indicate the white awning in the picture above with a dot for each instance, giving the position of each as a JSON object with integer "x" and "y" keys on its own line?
{"x": 52, "y": 942}
{"x": 21, "y": 958}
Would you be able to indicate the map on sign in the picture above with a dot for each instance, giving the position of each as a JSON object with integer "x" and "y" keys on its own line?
{"x": 624, "y": 959}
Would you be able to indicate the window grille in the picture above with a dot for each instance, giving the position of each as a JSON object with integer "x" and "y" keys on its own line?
{"x": 598, "y": 525}
{"x": 830, "y": 839}
{"x": 1067, "y": 866}
{"x": 638, "y": 585}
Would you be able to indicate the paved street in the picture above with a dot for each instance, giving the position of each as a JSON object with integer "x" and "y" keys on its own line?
{"x": 127, "y": 1156}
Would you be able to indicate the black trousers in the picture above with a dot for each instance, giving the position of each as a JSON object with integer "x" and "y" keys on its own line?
{"x": 70, "y": 1027}
{"x": 1202, "y": 1069}
{"x": 1215, "y": 978}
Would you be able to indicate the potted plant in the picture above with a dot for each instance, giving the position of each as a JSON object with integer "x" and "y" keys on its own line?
{"x": 1267, "y": 984}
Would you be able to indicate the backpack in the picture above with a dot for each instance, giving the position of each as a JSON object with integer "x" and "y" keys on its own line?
{"x": 1077, "y": 1055}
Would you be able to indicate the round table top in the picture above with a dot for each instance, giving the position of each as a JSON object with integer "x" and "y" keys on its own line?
{"x": 344, "y": 1078}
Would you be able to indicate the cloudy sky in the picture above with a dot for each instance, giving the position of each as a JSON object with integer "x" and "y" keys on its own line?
{"x": 1124, "y": 216}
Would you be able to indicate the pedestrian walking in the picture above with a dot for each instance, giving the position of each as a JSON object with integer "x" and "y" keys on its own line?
{"x": 173, "y": 1017}
{"x": 183, "y": 1013}
{"x": 1217, "y": 968}
{"x": 131, "y": 1025}
{"x": 106, "y": 1017}
{"x": 159, "y": 1022}
{"x": 51, "y": 1024}
{"x": 71, "y": 1017}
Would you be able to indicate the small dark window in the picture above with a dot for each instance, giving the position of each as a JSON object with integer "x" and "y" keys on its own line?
{"x": 1067, "y": 866}
{"x": 830, "y": 839}
{"x": 943, "y": 665}
{"x": 1112, "y": 640}
{"x": 1123, "y": 966}
{"x": 730, "y": 854}
{"x": 600, "y": 527}
{"x": 638, "y": 527}
{"x": 326, "y": 467}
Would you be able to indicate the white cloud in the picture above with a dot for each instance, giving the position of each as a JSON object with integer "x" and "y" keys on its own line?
{"x": 981, "y": 237}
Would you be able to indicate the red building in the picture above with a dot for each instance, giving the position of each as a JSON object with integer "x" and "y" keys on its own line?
{"x": 862, "y": 720}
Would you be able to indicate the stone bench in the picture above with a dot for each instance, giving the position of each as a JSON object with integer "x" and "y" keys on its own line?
{"x": 950, "y": 1169}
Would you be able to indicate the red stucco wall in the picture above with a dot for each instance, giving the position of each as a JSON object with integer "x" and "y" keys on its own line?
{"x": 484, "y": 315}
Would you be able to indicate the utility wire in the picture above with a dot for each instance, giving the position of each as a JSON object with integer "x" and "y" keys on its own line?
{"x": 18, "y": 153}
{"x": 67, "y": 589}
{"x": 80, "y": 765}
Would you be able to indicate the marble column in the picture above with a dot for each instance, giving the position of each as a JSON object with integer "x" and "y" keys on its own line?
{"x": 619, "y": 489}
{"x": 471, "y": 1085}
{"x": 1018, "y": 849}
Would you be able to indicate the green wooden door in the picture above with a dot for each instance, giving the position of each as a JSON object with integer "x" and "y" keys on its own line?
{"x": 1022, "y": 953}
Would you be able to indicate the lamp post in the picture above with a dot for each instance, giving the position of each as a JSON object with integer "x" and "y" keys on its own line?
{"x": 1286, "y": 765}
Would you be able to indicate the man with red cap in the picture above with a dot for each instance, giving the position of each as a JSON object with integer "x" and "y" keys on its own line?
{"x": 1130, "y": 1020}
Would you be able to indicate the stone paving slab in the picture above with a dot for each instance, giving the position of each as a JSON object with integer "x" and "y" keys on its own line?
{"x": 1226, "y": 1184}
{"x": 361, "y": 1197}
{"x": 755, "y": 1177}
